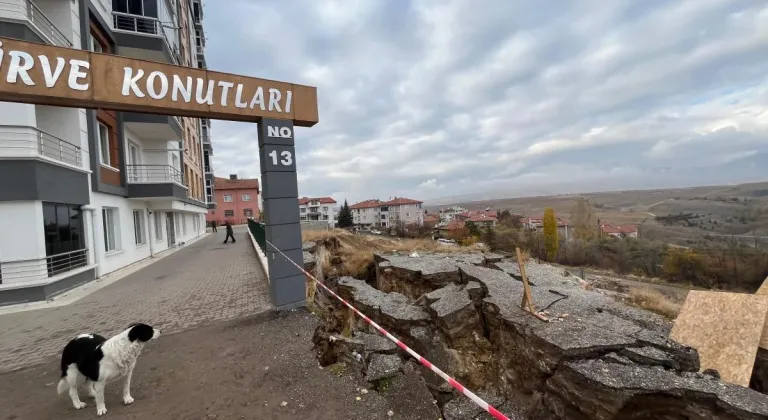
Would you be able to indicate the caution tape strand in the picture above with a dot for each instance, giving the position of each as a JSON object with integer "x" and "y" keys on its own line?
{"x": 426, "y": 363}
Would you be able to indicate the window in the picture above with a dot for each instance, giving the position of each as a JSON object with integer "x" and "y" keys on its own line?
{"x": 111, "y": 229}
{"x": 177, "y": 223}
{"x": 303, "y": 209}
{"x": 63, "y": 226}
{"x": 96, "y": 45}
{"x": 325, "y": 209}
{"x": 303, "y": 217}
{"x": 134, "y": 7}
{"x": 229, "y": 213}
{"x": 246, "y": 197}
{"x": 248, "y": 212}
{"x": 104, "y": 144}
{"x": 407, "y": 214}
{"x": 227, "y": 198}
{"x": 159, "y": 226}
{"x": 138, "y": 227}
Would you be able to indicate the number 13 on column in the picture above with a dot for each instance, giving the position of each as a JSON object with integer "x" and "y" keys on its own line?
{"x": 280, "y": 158}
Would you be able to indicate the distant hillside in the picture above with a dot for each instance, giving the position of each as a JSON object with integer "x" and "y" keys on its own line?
{"x": 715, "y": 210}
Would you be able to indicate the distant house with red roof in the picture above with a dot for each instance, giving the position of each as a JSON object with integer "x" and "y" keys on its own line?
{"x": 237, "y": 200}
{"x": 481, "y": 218}
{"x": 536, "y": 223}
{"x": 626, "y": 231}
{"x": 377, "y": 213}
{"x": 318, "y": 209}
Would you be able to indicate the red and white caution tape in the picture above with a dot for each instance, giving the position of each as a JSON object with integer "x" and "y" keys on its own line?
{"x": 459, "y": 387}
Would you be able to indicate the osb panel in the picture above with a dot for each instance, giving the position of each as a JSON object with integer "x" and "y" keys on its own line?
{"x": 108, "y": 86}
{"x": 725, "y": 328}
{"x": 108, "y": 176}
{"x": 763, "y": 290}
{"x": 60, "y": 87}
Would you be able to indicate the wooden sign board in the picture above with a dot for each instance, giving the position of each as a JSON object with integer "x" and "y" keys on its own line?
{"x": 48, "y": 75}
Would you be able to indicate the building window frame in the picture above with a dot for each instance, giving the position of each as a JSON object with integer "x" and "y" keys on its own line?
{"x": 111, "y": 224}
{"x": 159, "y": 226}
{"x": 227, "y": 198}
{"x": 139, "y": 228}
{"x": 229, "y": 213}
{"x": 245, "y": 197}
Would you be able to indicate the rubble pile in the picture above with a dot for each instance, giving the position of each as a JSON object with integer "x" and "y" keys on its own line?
{"x": 595, "y": 359}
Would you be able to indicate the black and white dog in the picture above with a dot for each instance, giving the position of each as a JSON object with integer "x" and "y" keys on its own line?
{"x": 93, "y": 360}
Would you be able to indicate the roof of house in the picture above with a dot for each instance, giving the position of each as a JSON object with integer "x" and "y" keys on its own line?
{"x": 477, "y": 216}
{"x": 397, "y": 201}
{"x": 367, "y": 204}
{"x": 323, "y": 200}
{"x": 235, "y": 184}
{"x": 618, "y": 229}
{"x": 454, "y": 225}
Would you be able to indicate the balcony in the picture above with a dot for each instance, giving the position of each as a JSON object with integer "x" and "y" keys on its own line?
{"x": 36, "y": 165}
{"x": 155, "y": 181}
{"x": 25, "y": 142}
{"x": 24, "y": 271}
{"x": 40, "y": 28}
{"x": 146, "y": 38}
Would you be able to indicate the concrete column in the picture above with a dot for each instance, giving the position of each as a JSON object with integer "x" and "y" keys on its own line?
{"x": 281, "y": 209}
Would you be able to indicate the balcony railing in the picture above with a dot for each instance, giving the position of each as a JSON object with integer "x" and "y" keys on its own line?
{"x": 39, "y": 19}
{"x": 25, "y": 141}
{"x": 200, "y": 50}
{"x": 153, "y": 174}
{"x": 206, "y": 138}
{"x": 144, "y": 25}
{"x": 20, "y": 271}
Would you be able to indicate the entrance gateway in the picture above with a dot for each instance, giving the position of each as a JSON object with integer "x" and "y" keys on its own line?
{"x": 48, "y": 75}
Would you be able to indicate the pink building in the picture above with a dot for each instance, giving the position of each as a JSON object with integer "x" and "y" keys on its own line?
{"x": 236, "y": 200}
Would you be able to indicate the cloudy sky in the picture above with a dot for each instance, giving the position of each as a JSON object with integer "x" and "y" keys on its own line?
{"x": 482, "y": 98}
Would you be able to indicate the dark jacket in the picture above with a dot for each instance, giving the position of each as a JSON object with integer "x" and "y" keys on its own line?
{"x": 229, "y": 227}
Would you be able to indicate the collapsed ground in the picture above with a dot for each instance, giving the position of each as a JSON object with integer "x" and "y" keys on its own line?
{"x": 596, "y": 359}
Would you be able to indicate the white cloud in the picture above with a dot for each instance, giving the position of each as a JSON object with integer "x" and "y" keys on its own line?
{"x": 514, "y": 97}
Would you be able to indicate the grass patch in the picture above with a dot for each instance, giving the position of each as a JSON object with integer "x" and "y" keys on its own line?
{"x": 654, "y": 301}
{"x": 338, "y": 369}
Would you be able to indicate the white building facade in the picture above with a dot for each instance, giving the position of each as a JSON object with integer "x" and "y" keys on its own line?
{"x": 376, "y": 213}
{"x": 84, "y": 193}
{"x": 318, "y": 209}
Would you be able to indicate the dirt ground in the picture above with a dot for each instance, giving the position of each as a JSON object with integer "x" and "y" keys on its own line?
{"x": 242, "y": 369}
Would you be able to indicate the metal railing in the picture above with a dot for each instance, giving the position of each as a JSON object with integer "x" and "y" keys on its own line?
{"x": 144, "y": 25}
{"x": 39, "y": 19}
{"x": 208, "y": 168}
{"x": 200, "y": 50}
{"x": 145, "y": 174}
{"x": 259, "y": 233}
{"x": 206, "y": 138}
{"x": 42, "y": 268}
{"x": 42, "y": 144}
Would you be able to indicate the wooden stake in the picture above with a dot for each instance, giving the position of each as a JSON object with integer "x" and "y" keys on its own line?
{"x": 527, "y": 302}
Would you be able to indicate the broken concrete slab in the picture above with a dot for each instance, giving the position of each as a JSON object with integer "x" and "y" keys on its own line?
{"x": 455, "y": 314}
{"x": 390, "y": 309}
{"x": 599, "y": 389}
{"x": 650, "y": 356}
{"x": 310, "y": 246}
{"x": 376, "y": 343}
{"x": 382, "y": 366}
{"x": 461, "y": 407}
{"x": 408, "y": 389}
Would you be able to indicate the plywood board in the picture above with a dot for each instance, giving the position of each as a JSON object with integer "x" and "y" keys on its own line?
{"x": 725, "y": 328}
{"x": 763, "y": 291}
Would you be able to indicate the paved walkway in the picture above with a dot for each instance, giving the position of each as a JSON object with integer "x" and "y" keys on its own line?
{"x": 203, "y": 282}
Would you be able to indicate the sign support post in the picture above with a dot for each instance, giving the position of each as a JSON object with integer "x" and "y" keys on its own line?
{"x": 280, "y": 195}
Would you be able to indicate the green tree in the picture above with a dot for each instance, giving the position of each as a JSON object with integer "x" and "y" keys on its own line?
{"x": 583, "y": 219}
{"x": 345, "y": 216}
{"x": 551, "y": 242}
{"x": 473, "y": 229}
{"x": 490, "y": 237}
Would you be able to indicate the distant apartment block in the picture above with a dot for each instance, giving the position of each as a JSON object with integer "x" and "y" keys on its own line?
{"x": 237, "y": 200}
{"x": 536, "y": 223}
{"x": 377, "y": 213}
{"x": 618, "y": 231}
{"x": 318, "y": 209}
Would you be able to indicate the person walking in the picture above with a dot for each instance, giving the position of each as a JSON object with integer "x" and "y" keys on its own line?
{"x": 230, "y": 234}
{"x": 213, "y": 225}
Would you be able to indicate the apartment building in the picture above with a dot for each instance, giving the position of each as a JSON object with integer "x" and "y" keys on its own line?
{"x": 536, "y": 223}
{"x": 318, "y": 209}
{"x": 237, "y": 200}
{"x": 377, "y": 213}
{"x": 86, "y": 192}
